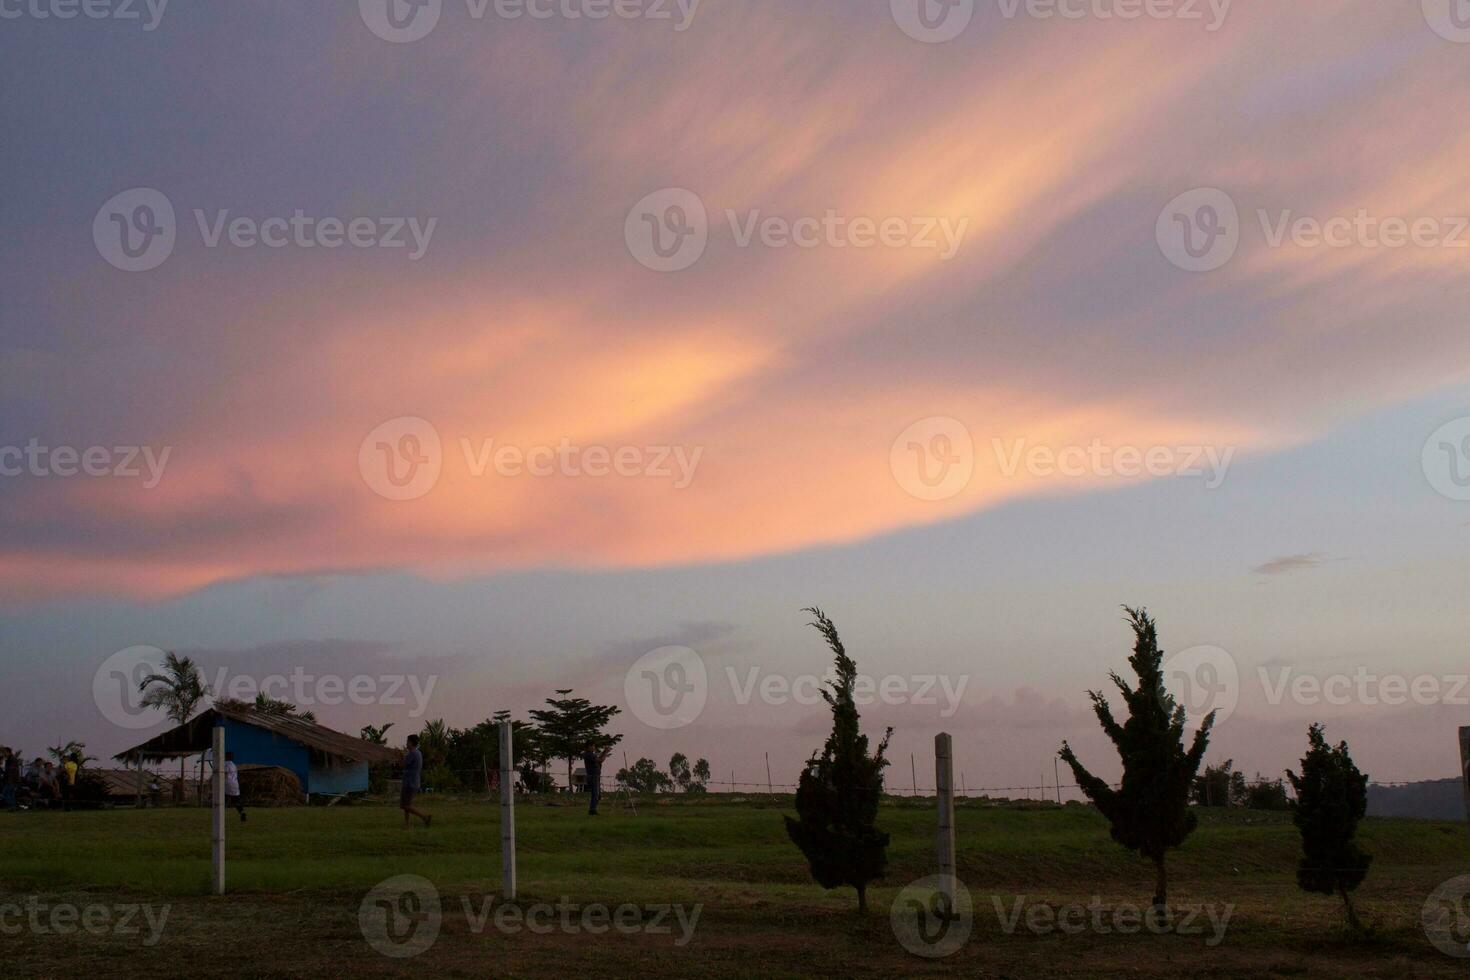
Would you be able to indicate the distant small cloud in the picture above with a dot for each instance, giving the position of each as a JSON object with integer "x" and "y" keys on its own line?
{"x": 1288, "y": 564}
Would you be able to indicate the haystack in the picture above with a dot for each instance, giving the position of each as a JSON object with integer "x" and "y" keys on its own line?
{"x": 269, "y": 786}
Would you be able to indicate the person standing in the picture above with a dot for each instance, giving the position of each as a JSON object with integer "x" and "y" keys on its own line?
{"x": 10, "y": 778}
{"x": 48, "y": 786}
{"x": 69, "y": 781}
{"x": 413, "y": 770}
{"x": 592, "y": 762}
{"x": 232, "y": 786}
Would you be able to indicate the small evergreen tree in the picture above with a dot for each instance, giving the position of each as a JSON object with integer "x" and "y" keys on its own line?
{"x": 1150, "y": 811}
{"x": 1331, "y": 797}
{"x": 838, "y": 793}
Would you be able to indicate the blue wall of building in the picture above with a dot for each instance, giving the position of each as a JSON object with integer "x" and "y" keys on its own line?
{"x": 257, "y": 747}
{"x": 344, "y": 777}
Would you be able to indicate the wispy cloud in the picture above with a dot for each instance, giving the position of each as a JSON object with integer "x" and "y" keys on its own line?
{"x": 1289, "y": 564}
{"x": 792, "y": 370}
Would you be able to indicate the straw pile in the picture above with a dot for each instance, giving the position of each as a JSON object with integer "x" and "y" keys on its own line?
{"x": 269, "y": 786}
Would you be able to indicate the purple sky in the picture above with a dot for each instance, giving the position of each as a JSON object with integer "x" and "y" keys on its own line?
{"x": 326, "y": 351}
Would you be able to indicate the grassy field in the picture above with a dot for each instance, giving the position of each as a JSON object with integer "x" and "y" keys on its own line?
{"x": 297, "y": 878}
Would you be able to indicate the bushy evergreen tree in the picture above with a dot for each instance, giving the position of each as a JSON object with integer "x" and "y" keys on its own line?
{"x": 1149, "y": 812}
{"x": 838, "y": 793}
{"x": 1331, "y": 798}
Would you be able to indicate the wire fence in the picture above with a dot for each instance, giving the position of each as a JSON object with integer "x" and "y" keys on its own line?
{"x": 891, "y": 787}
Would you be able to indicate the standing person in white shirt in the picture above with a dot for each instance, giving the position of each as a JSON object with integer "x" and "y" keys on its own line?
{"x": 232, "y": 781}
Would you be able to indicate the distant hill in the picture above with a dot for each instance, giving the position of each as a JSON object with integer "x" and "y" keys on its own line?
{"x": 1438, "y": 799}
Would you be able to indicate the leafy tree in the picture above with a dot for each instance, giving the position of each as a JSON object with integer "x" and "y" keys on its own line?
{"x": 688, "y": 779}
{"x": 1220, "y": 786}
{"x": 73, "y": 750}
{"x": 176, "y": 691}
{"x": 1331, "y": 798}
{"x": 533, "y": 779}
{"x": 567, "y": 724}
{"x": 378, "y": 735}
{"x": 644, "y": 777}
{"x": 268, "y": 705}
{"x": 1150, "y": 812}
{"x": 434, "y": 743}
{"x": 837, "y": 797}
{"x": 1266, "y": 794}
{"x": 379, "y": 773}
{"x": 474, "y": 753}
{"x": 680, "y": 772}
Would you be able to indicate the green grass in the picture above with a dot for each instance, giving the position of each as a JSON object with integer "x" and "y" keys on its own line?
{"x": 297, "y": 876}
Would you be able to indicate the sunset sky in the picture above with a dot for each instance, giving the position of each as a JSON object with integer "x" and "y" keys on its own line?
{"x": 774, "y": 403}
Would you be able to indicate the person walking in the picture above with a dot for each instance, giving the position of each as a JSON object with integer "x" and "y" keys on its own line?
{"x": 413, "y": 770}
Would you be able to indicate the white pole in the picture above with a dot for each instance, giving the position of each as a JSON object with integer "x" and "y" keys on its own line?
{"x": 219, "y": 806}
{"x": 507, "y": 813}
{"x": 944, "y": 791}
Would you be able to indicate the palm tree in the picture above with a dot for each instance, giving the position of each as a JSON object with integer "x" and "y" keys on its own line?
{"x": 177, "y": 691}
{"x": 434, "y": 740}
{"x": 376, "y": 734}
{"x": 71, "y": 750}
{"x": 267, "y": 705}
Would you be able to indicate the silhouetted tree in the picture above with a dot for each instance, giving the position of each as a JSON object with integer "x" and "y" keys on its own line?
{"x": 375, "y": 734}
{"x": 1266, "y": 794}
{"x": 568, "y": 724}
{"x": 176, "y": 691}
{"x": 644, "y": 777}
{"x": 1220, "y": 786}
{"x": 679, "y": 770}
{"x": 1331, "y": 798}
{"x": 838, "y": 793}
{"x": 701, "y": 776}
{"x": 1149, "y": 812}
{"x": 274, "y": 706}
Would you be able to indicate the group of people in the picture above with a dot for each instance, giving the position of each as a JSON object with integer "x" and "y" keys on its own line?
{"x": 39, "y": 784}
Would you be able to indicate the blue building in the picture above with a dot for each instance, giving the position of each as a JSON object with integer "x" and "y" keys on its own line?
{"x": 327, "y": 762}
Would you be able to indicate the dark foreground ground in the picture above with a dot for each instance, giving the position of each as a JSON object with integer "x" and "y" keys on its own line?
{"x": 690, "y": 889}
